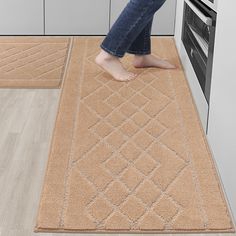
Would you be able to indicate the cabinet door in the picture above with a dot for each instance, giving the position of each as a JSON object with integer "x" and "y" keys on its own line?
{"x": 21, "y": 17}
{"x": 178, "y": 22}
{"x": 164, "y": 19}
{"x": 77, "y": 17}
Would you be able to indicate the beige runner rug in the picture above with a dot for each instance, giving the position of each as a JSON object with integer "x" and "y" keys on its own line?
{"x": 129, "y": 156}
{"x": 32, "y": 61}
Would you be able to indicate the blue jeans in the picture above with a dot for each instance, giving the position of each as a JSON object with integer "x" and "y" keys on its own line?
{"x": 132, "y": 30}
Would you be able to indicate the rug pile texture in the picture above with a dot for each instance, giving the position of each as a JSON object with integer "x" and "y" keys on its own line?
{"x": 129, "y": 156}
{"x": 32, "y": 61}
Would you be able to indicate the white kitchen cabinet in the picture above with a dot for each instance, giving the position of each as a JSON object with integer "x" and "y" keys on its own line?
{"x": 72, "y": 17}
{"x": 221, "y": 133}
{"x": 198, "y": 95}
{"x": 222, "y": 112}
{"x": 21, "y": 17}
{"x": 178, "y": 23}
{"x": 164, "y": 19}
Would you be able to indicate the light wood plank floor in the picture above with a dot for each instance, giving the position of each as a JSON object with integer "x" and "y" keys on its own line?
{"x": 27, "y": 119}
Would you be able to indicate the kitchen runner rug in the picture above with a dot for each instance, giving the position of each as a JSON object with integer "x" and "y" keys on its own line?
{"x": 129, "y": 156}
{"x": 32, "y": 61}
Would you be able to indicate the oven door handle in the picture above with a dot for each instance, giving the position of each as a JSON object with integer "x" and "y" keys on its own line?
{"x": 205, "y": 19}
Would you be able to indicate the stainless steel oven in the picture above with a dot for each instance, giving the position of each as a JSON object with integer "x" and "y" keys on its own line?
{"x": 211, "y": 3}
{"x": 198, "y": 36}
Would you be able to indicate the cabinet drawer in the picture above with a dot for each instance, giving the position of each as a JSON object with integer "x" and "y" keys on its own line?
{"x": 164, "y": 19}
{"x": 21, "y": 17}
{"x": 72, "y": 17}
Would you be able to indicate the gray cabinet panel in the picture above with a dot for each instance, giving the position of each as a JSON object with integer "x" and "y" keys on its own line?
{"x": 71, "y": 17}
{"x": 21, "y": 17}
{"x": 164, "y": 19}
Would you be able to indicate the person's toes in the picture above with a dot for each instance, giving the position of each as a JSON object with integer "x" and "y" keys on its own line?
{"x": 126, "y": 77}
{"x": 133, "y": 75}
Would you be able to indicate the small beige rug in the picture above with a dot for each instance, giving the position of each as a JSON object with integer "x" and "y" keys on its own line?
{"x": 129, "y": 156}
{"x": 32, "y": 61}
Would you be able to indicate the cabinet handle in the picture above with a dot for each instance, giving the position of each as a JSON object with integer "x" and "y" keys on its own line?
{"x": 205, "y": 19}
{"x": 191, "y": 52}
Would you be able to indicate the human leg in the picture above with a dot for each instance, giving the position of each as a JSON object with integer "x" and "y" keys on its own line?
{"x": 142, "y": 43}
{"x": 132, "y": 27}
{"x": 130, "y": 33}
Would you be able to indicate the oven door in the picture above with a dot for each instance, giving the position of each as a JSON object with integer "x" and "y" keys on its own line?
{"x": 198, "y": 24}
{"x": 211, "y": 4}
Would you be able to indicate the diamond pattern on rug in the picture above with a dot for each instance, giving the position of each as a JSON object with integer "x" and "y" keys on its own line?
{"x": 32, "y": 62}
{"x": 129, "y": 143}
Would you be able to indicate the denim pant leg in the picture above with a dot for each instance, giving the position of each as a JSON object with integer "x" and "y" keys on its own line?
{"x": 142, "y": 44}
{"x": 131, "y": 22}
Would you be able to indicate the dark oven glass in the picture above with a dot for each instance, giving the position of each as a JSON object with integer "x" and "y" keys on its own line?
{"x": 197, "y": 25}
{"x": 198, "y": 39}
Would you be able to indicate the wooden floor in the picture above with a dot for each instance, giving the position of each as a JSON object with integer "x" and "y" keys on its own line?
{"x": 26, "y": 123}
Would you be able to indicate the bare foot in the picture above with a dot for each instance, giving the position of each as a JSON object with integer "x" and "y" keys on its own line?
{"x": 113, "y": 66}
{"x": 149, "y": 60}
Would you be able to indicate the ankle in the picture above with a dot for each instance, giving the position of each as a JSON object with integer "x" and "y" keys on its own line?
{"x": 106, "y": 56}
{"x": 140, "y": 58}
{"x": 141, "y": 55}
